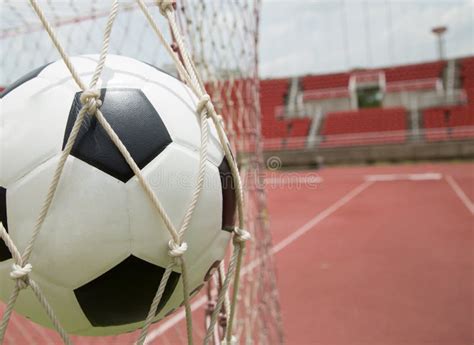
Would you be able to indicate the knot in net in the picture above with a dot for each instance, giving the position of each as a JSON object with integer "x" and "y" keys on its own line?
{"x": 166, "y": 5}
{"x": 177, "y": 250}
{"x": 20, "y": 274}
{"x": 241, "y": 235}
{"x": 90, "y": 100}
{"x": 205, "y": 104}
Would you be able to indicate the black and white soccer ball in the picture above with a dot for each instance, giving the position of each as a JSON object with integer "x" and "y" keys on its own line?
{"x": 103, "y": 248}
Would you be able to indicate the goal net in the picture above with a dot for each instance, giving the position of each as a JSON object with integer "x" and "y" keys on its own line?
{"x": 222, "y": 39}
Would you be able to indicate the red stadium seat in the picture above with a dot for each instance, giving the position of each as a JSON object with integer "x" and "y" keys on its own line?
{"x": 365, "y": 126}
{"x": 447, "y": 123}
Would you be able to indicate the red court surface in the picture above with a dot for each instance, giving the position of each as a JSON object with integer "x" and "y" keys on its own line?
{"x": 366, "y": 261}
{"x": 366, "y": 256}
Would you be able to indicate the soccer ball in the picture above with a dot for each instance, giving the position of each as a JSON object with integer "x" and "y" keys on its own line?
{"x": 103, "y": 248}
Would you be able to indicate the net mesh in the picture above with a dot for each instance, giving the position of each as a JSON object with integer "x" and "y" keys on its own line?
{"x": 222, "y": 37}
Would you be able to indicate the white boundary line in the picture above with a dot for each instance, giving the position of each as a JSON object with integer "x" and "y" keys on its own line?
{"x": 429, "y": 176}
{"x": 293, "y": 179}
{"x": 460, "y": 193}
{"x": 277, "y": 248}
{"x": 320, "y": 217}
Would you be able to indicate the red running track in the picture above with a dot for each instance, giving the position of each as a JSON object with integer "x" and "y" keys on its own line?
{"x": 390, "y": 264}
{"x": 362, "y": 262}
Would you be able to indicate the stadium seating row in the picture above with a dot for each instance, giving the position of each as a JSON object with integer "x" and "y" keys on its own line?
{"x": 272, "y": 96}
{"x": 364, "y": 126}
{"x": 414, "y": 72}
{"x": 369, "y": 126}
{"x": 449, "y": 122}
{"x": 392, "y": 74}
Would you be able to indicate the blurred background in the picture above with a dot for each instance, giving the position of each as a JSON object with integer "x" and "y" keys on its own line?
{"x": 344, "y": 73}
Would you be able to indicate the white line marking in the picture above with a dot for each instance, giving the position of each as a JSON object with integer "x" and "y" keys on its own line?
{"x": 171, "y": 322}
{"x": 293, "y": 179}
{"x": 430, "y": 176}
{"x": 321, "y": 216}
{"x": 277, "y": 248}
{"x": 460, "y": 193}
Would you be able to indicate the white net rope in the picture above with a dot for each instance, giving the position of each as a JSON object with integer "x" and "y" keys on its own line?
{"x": 231, "y": 78}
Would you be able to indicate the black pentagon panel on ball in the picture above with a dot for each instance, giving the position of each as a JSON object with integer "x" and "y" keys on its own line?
{"x": 135, "y": 121}
{"x": 4, "y": 251}
{"x": 123, "y": 294}
{"x": 33, "y": 74}
{"x": 228, "y": 196}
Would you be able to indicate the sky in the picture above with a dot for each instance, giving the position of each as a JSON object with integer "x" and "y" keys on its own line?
{"x": 299, "y": 37}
